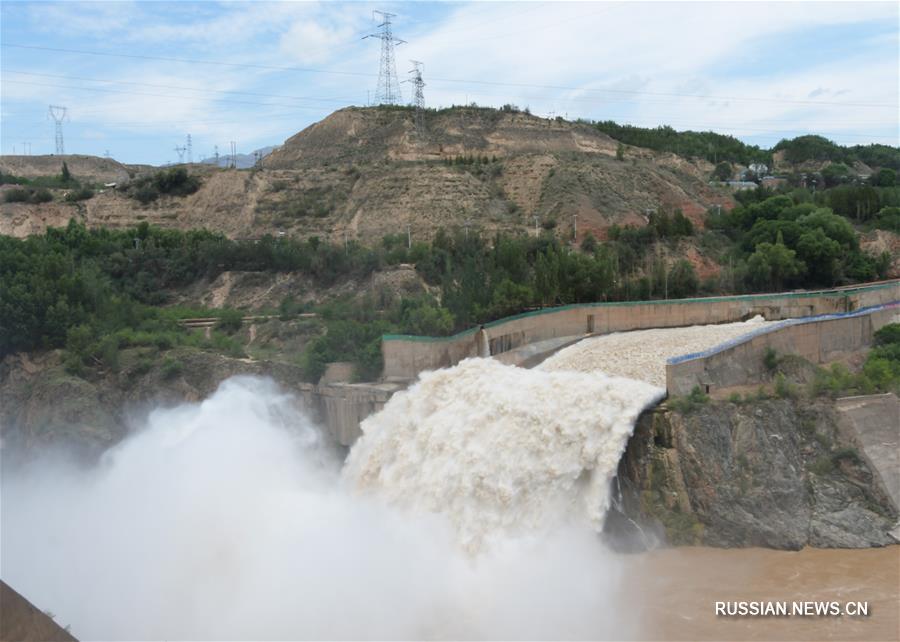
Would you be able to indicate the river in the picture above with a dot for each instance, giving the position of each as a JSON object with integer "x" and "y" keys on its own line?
{"x": 674, "y": 592}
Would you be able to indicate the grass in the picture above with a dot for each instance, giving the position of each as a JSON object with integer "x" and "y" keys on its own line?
{"x": 689, "y": 403}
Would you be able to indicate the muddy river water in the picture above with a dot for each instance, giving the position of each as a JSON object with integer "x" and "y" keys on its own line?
{"x": 675, "y": 592}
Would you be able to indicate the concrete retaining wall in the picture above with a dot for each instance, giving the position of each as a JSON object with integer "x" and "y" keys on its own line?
{"x": 874, "y": 424}
{"x": 406, "y": 356}
{"x": 740, "y": 362}
{"x": 342, "y": 406}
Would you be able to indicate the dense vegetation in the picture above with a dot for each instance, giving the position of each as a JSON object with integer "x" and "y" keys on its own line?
{"x": 780, "y": 243}
{"x": 818, "y": 148}
{"x": 94, "y": 291}
{"x": 174, "y": 181}
{"x": 719, "y": 148}
{"x": 709, "y": 145}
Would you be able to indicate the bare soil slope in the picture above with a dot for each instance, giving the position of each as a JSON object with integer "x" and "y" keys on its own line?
{"x": 362, "y": 173}
{"x": 21, "y": 621}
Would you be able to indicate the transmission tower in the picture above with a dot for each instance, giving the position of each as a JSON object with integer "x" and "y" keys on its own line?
{"x": 190, "y": 150}
{"x": 216, "y": 148}
{"x": 180, "y": 151}
{"x": 233, "y": 155}
{"x": 388, "y": 90}
{"x": 58, "y": 114}
{"x": 418, "y": 96}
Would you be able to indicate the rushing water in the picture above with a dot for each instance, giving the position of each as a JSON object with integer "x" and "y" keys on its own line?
{"x": 501, "y": 451}
{"x": 469, "y": 509}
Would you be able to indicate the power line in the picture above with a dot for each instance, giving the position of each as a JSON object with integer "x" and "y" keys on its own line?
{"x": 179, "y": 87}
{"x": 139, "y": 93}
{"x": 461, "y": 81}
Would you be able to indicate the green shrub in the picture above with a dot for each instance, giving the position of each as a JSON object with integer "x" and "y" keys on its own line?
{"x": 146, "y": 194}
{"x": 80, "y": 194}
{"x": 888, "y": 334}
{"x": 171, "y": 368}
{"x": 230, "y": 321}
{"x": 770, "y": 359}
{"x": 142, "y": 367}
{"x": 41, "y": 195}
{"x": 848, "y": 454}
{"x": 175, "y": 181}
{"x": 17, "y": 195}
{"x": 784, "y": 389}
{"x": 107, "y": 351}
{"x": 824, "y": 465}
{"x": 690, "y": 402}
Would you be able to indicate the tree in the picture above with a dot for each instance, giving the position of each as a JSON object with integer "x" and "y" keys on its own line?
{"x": 683, "y": 280}
{"x": 723, "y": 171}
{"x": 65, "y": 175}
{"x": 589, "y": 243}
{"x": 771, "y": 265}
{"x": 620, "y": 152}
{"x": 886, "y": 177}
{"x": 835, "y": 174}
{"x": 820, "y": 254}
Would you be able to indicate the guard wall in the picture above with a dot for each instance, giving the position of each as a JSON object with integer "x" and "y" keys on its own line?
{"x": 406, "y": 356}
{"x": 740, "y": 362}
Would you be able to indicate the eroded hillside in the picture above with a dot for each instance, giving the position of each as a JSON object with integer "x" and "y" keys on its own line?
{"x": 363, "y": 173}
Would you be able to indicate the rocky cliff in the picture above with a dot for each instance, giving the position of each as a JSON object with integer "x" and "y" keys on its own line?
{"x": 776, "y": 473}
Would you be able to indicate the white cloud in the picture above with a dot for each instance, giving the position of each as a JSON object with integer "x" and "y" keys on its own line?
{"x": 552, "y": 57}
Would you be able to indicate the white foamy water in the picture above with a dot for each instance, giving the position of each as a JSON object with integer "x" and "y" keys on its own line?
{"x": 228, "y": 520}
{"x": 642, "y": 354}
{"x": 468, "y": 509}
{"x": 502, "y": 451}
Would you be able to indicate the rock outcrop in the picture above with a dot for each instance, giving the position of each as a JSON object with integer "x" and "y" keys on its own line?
{"x": 776, "y": 473}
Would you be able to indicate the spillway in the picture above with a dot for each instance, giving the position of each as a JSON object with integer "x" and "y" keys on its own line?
{"x": 504, "y": 451}
{"x": 468, "y": 509}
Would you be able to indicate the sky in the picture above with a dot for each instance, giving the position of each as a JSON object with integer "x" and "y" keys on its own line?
{"x": 138, "y": 77}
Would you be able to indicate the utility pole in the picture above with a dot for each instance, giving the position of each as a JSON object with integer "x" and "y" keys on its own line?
{"x": 216, "y": 154}
{"x": 190, "y": 150}
{"x": 418, "y": 95}
{"x": 233, "y": 155}
{"x": 536, "y": 233}
{"x": 388, "y": 89}
{"x": 58, "y": 114}
{"x": 408, "y": 237}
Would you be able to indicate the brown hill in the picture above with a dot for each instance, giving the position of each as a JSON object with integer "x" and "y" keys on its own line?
{"x": 88, "y": 168}
{"x": 21, "y": 621}
{"x": 359, "y": 134}
{"x": 362, "y": 173}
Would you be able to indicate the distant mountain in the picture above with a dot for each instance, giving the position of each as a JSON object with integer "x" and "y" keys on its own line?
{"x": 242, "y": 161}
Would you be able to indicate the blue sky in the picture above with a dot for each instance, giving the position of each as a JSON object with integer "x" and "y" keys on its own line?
{"x": 137, "y": 77}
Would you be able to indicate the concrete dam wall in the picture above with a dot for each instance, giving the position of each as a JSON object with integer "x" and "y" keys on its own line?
{"x": 527, "y": 339}
{"x": 405, "y": 356}
{"x": 819, "y": 340}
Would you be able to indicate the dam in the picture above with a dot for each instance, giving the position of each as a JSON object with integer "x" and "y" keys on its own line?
{"x": 469, "y": 507}
{"x": 821, "y": 326}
